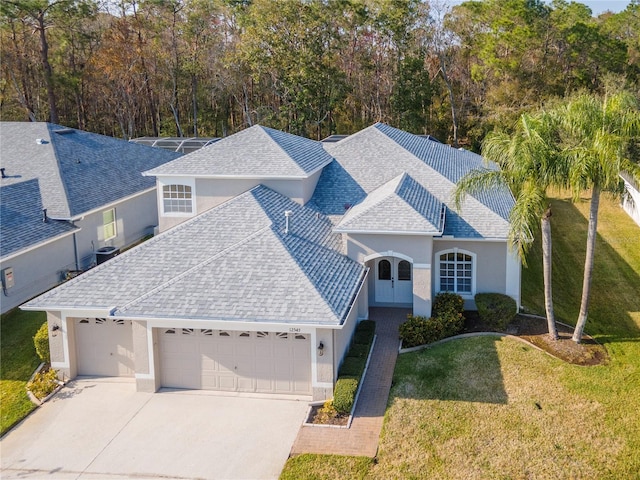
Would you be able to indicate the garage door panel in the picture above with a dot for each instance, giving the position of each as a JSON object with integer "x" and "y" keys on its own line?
{"x": 237, "y": 361}
{"x": 104, "y": 347}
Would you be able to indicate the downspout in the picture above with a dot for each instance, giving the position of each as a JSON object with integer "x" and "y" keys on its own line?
{"x": 75, "y": 247}
{"x": 75, "y": 250}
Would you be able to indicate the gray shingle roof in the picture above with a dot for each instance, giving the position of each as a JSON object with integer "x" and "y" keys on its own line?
{"x": 21, "y": 219}
{"x": 233, "y": 262}
{"x": 77, "y": 171}
{"x": 255, "y": 152}
{"x": 401, "y": 205}
{"x": 372, "y": 157}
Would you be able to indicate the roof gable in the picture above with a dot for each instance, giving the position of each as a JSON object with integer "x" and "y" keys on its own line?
{"x": 22, "y": 224}
{"x": 256, "y": 152}
{"x": 240, "y": 265}
{"x": 401, "y": 205}
{"x": 77, "y": 171}
{"x": 379, "y": 153}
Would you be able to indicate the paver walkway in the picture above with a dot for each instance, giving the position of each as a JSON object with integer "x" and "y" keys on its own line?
{"x": 362, "y": 437}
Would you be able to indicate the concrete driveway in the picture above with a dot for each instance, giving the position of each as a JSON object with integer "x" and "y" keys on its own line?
{"x": 103, "y": 428}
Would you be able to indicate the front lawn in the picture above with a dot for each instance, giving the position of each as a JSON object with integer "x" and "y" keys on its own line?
{"x": 491, "y": 408}
{"x": 18, "y": 360}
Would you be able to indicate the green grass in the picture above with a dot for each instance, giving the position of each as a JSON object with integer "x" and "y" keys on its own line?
{"x": 18, "y": 360}
{"x": 490, "y": 408}
{"x": 326, "y": 467}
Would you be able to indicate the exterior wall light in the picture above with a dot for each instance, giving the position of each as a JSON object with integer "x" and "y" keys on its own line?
{"x": 321, "y": 349}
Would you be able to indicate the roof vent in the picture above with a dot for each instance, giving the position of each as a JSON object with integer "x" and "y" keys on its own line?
{"x": 347, "y": 206}
{"x": 4, "y": 175}
{"x": 40, "y": 141}
{"x": 44, "y": 215}
{"x": 287, "y": 214}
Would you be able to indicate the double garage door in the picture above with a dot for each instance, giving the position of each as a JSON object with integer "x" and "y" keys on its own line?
{"x": 203, "y": 359}
{"x": 239, "y": 361}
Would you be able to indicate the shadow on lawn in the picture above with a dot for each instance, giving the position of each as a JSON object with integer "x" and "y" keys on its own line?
{"x": 615, "y": 284}
{"x": 465, "y": 370}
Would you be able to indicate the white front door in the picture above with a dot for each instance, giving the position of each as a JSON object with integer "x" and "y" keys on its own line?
{"x": 393, "y": 281}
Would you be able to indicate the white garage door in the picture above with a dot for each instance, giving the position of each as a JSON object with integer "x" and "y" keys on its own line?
{"x": 105, "y": 347}
{"x": 269, "y": 362}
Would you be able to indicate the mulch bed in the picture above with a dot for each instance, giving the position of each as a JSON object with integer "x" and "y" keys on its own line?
{"x": 534, "y": 330}
{"x": 317, "y": 417}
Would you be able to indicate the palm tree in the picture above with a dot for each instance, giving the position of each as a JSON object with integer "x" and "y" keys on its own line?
{"x": 528, "y": 167}
{"x": 594, "y": 136}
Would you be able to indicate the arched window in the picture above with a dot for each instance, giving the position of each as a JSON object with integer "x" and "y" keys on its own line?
{"x": 404, "y": 270}
{"x": 456, "y": 272}
{"x": 177, "y": 199}
{"x": 384, "y": 270}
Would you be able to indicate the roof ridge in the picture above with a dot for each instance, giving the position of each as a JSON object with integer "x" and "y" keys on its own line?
{"x": 195, "y": 267}
{"x": 381, "y": 199}
{"x": 54, "y": 146}
{"x": 267, "y": 131}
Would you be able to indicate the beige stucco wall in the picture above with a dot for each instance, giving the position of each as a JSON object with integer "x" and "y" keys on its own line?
{"x": 342, "y": 340}
{"x": 491, "y": 265}
{"x": 211, "y": 192}
{"x": 145, "y": 378}
{"x": 63, "y": 357}
{"x": 417, "y": 248}
{"x": 56, "y": 341}
{"x": 324, "y": 362}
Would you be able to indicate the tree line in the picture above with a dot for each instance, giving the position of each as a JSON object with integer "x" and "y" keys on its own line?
{"x": 130, "y": 68}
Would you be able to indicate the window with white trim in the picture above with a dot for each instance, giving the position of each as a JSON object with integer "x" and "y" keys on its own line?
{"x": 109, "y": 224}
{"x": 456, "y": 272}
{"x": 177, "y": 199}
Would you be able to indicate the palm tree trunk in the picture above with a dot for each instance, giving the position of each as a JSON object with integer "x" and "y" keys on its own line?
{"x": 546, "y": 265}
{"x": 588, "y": 265}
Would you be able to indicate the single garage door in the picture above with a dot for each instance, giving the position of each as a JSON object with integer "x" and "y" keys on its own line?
{"x": 105, "y": 347}
{"x": 267, "y": 362}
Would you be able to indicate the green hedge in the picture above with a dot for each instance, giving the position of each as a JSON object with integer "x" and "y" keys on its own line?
{"x": 352, "y": 367}
{"x": 365, "y": 332}
{"x": 447, "y": 321}
{"x": 41, "y": 342}
{"x": 358, "y": 351}
{"x": 447, "y": 303}
{"x": 496, "y": 309}
{"x": 420, "y": 330}
{"x": 345, "y": 394}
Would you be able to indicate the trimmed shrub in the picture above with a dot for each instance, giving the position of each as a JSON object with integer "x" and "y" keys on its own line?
{"x": 447, "y": 303}
{"x": 365, "y": 331}
{"x": 420, "y": 330}
{"x": 352, "y": 366}
{"x": 358, "y": 351}
{"x": 452, "y": 324}
{"x": 496, "y": 309}
{"x": 345, "y": 394}
{"x": 41, "y": 342}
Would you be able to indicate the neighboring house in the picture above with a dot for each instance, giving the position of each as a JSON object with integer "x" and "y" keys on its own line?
{"x": 631, "y": 202}
{"x": 273, "y": 248}
{"x": 65, "y": 194}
